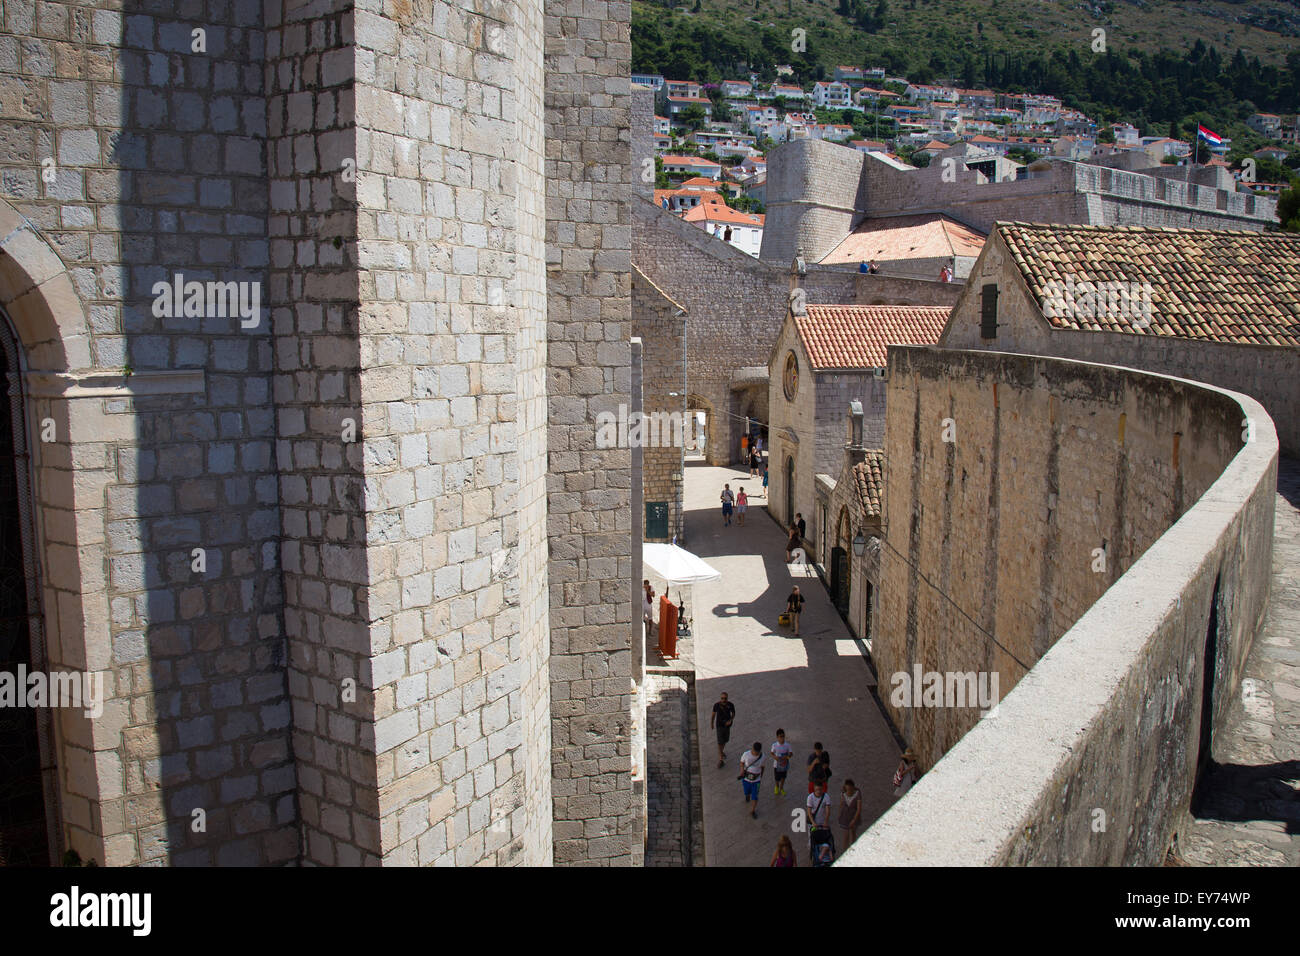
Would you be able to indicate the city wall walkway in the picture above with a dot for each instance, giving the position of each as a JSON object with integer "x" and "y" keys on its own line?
{"x": 816, "y": 686}
{"x": 1247, "y": 811}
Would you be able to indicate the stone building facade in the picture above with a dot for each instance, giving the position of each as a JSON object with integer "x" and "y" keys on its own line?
{"x": 348, "y": 556}
{"x": 847, "y": 517}
{"x": 826, "y": 358}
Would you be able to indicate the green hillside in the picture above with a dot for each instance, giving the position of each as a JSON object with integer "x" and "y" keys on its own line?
{"x": 1165, "y": 61}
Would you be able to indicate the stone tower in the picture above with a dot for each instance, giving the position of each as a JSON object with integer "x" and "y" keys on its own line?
{"x": 334, "y": 530}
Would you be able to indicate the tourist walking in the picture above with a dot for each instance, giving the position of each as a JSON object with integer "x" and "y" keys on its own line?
{"x": 821, "y": 840}
{"x": 751, "y": 776}
{"x": 906, "y": 773}
{"x": 791, "y": 543}
{"x": 727, "y": 498}
{"x": 742, "y": 505}
{"x": 801, "y": 525}
{"x": 765, "y": 482}
{"x": 819, "y": 767}
{"x": 753, "y": 463}
{"x": 648, "y": 610}
{"x": 783, "y": 856}
{"x": 850, "y": 811}
{"x": 781, "y": 754}
{"x": 724, "y": 712}
{"x": 794, "y": 607}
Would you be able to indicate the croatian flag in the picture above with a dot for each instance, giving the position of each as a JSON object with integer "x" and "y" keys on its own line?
{"x": 1211, "y": 137}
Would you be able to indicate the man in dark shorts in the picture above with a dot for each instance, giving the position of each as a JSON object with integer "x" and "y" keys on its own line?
{"x": 727, "y": 499}
{"x": 794, "y": 607}
{"x": 781, "y": 754}
{"x": 724, "y": 712}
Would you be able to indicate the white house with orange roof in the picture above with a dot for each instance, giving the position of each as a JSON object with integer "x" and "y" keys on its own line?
{"x": 740, "y": 229}
{"x": 692, "y": 166}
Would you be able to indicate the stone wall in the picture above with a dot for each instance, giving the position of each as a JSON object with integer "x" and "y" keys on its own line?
{"x": 655, "y": 320}
{"x": 588, "y": 234}
{"x": 1019, "y": 490}
{"x": 314, "y": 297}
{"x": 815, "y": 196}
{"x": 309, "y": 551}
{"x": 1266, "y": 373}
{"x": 1123, "y": 685}
{"x": 124, "y": 159}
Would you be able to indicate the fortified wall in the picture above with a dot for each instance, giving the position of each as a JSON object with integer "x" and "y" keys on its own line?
{"x": 818, "y": 191}
{"x": 1109, "y": 529}
{"x": 350, "y": 562}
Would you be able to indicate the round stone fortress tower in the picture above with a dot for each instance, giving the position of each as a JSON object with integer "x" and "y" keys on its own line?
{"x": 814, "y": 193}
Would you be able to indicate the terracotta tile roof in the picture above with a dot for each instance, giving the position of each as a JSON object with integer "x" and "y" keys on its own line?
{"x": 1221, "y": 285}
{"x": 857, "y": 336}
{"x": 718, "y": 212}
{"x": 869, "y": 481}
{"x": 922, "y": 236}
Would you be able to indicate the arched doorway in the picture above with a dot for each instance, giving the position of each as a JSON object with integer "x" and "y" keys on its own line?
{"x": 839, "y": 564}
{"x": 27, "y": 822}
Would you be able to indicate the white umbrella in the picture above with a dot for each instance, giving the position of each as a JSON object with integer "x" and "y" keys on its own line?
{"x": 677, "y": 565}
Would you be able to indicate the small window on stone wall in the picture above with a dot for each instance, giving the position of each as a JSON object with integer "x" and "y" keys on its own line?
{"x": 989, "y": 311}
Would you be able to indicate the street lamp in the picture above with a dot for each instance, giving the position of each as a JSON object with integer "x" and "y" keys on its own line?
{"x": 859, "y": 544}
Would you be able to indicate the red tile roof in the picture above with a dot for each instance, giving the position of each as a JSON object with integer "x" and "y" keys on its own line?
{"x": 857, "y": 336}
{"x": 922, "y": 236}
{"x": 1217, "y": 285}
{"x": 869, "y": 482}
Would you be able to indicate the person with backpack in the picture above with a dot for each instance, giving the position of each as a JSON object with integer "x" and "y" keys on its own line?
{"x": 821, "y": 841}
{"x": 727, "y": 498}
{"x": 751, "y": 776}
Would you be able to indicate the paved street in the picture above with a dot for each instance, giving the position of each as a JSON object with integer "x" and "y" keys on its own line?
{"x": 816, "y": 686}
{"x": 1250, "y": 814}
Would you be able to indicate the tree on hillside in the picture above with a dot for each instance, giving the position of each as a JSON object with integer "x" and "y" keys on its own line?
{"x": 693, "y": 117}
{"x": 1288, "y": 207}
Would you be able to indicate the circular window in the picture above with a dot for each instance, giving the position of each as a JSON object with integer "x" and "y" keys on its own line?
{"x": 790, "y": 378}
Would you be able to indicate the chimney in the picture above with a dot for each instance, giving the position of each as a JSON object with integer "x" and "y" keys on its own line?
{"x": 856, "y": 448}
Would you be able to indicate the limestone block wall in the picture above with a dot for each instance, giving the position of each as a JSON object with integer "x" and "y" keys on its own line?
{"x": 1266, "y": 373}
{"x": 588, "y": 255}
{"x": 1123, "y": 686}
{"x": 321, "y": 432}
{"x": 1057, "y": 478}
{"x": 126, "y": 157}
{"x": 450, "y": 258}
{"x": 655, "y": 320}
